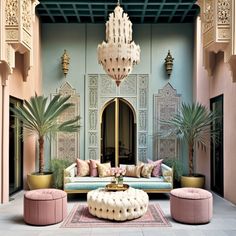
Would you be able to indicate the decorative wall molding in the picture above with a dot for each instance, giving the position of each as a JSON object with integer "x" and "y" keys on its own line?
{"x": 218, "y": 32}
{"x": 17, "y": 17}
{"x": 101, "y": 89}
{"x": 166, "y": 104}
{"x": 66, "y": 145}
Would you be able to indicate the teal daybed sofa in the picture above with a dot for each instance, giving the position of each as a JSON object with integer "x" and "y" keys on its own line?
{"x": 74, "y": 184}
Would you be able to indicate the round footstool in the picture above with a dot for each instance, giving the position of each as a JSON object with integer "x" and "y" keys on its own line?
{"x": 45, "y": 206}
{"x": 119, "y": 206}
{"x": 191, "y": 205}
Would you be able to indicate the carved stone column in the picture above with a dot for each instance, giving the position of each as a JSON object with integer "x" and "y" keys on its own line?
{"x": 218, "y": 32}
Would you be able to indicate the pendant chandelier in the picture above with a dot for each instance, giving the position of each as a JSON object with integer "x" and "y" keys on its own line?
{"x": 119, "y": 54}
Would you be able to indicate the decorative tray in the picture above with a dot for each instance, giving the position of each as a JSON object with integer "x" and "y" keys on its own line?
{"x": 115, "y": 187}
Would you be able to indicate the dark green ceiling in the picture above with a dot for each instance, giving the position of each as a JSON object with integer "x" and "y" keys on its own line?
{"x": 97, "y": 11}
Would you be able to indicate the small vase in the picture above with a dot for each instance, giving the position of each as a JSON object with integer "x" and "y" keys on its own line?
{"x": 113, "y": 180}
{"x": 120, "y": 181}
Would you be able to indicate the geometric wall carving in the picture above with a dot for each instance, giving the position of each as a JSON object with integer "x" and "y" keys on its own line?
{"x": 66, "y": 145}
{"x": 100, "y": 89}
{"x": 166, "y": 104}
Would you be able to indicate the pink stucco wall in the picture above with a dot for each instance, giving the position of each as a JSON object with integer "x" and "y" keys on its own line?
{"x": 221, "y": 83}
{"x": 206, "y": 87}
{"x": 18, "y": 88}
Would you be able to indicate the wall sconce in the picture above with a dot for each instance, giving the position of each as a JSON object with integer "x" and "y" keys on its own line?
{"x": 65, "y": 62}
{"x": 169, "y": 63}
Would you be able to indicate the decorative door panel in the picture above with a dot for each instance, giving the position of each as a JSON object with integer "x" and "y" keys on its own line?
{"x": 166, "y": 104}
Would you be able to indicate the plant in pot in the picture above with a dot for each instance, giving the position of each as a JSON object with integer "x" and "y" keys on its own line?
{"x": 41, "y": 119}
{"x": 193, "y": 125}
{"x": 57, "y": 167}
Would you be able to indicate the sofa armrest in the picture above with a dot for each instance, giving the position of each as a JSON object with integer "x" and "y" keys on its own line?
{"x": 68, "y": 173}
{"x": 167, "y": 173}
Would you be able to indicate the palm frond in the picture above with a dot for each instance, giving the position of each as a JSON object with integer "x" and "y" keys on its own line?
{"x": 41, "y": 119}
{"x": 193, "y": 123}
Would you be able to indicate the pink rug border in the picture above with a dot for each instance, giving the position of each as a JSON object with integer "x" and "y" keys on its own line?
{"x": 111, "y": 224}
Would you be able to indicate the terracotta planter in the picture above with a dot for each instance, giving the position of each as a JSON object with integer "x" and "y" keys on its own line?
{"x": 195, "y": 181}
{"x": 37, "y": 181}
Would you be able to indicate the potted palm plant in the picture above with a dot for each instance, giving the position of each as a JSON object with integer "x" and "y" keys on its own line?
{"x": 41, "y": 119}
{"x": 193, "y": 125}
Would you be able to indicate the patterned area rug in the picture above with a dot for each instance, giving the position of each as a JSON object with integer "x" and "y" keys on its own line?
{"x": 80, "y": 217}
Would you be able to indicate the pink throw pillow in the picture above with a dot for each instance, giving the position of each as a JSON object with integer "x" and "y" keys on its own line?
{"x": 157, "y": 167}
{"x": 93, "y": 167}
{"x": 82, "y": 167}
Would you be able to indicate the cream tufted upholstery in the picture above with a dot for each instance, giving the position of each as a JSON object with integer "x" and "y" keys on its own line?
{"x": 120, "y": 205}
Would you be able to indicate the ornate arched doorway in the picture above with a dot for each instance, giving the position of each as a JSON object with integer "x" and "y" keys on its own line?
{"x": 118, "y": 133}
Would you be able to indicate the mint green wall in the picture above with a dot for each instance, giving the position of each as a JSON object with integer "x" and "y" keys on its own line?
{"x": 81, "y": 42}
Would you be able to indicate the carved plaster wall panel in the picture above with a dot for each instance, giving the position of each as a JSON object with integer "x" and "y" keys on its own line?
{"x": 142, "y": 141}
{"x": 93, "y": 153}
{"x": 129, "y": 86}
{"x": 66, "y": 145}
{"x": 143, "y": 85}
{"x": 142, "y": 154}
{"x": 166, "y": 104}
{"x": 142, "y": 120}
{"x": 167, "y": 148}
{"x": 223, "y": 9}
{"x": 108, "y": 88}
{"x": 208, "y": 15}
{"x": 93, "y": 103}
{"x": 93, "y": 139}
{"x": 26, "y": 15}
{"x": 100, "y": 89}
{"x": 12, "y": 12}
{"x": 223, "y": 34}
{"x": 12, "y": 35}
{"x": 92, "y": 124}
{"x": 208, "y": 37}
{"x": 93, "y": 118}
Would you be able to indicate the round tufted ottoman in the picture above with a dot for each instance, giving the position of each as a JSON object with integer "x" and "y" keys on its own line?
{"x": 45, "y": 206}
{"x": 119, "y": 206}
{"x": 191, "y": 205}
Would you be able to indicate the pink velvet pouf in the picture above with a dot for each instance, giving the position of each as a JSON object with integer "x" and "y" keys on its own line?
{"x": 45, "y": 206}
{"x": 191, "y": 205}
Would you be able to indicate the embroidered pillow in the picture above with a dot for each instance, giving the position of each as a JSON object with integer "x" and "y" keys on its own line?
{"x": 167, "y": 175}
{"x": 147, "y": 170}
{"x": 157, "y": 167}
{"x": 93, "y": 167}
{"x": 133, "y": 171}
{"x": 82, "y": 168}
{"x": 104, "y": 169}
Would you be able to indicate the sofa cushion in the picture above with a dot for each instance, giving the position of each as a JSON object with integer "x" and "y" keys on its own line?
{"x": 104, "y": 169}
{"x": 147, "y": 170}
{"x": 93, "y": 167}
{"x": 133, "y": 171}
{"x": 157, "y": 167}
{"x": 82, "y": 167}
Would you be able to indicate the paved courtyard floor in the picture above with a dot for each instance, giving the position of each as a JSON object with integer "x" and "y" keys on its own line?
{"x": 223, "y": 222}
